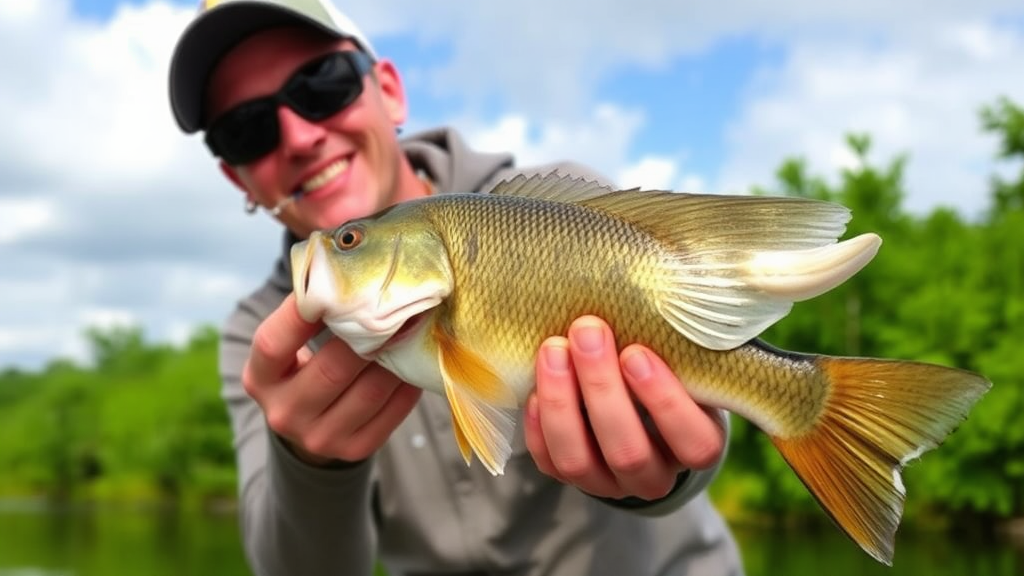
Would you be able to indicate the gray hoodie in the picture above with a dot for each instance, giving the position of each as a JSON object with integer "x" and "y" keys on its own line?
{"x": 415, "y": 505}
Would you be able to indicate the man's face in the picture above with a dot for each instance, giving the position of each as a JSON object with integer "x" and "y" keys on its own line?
{"x": 347, "y": 166}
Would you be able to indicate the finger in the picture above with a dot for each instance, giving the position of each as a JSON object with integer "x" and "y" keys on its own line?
{"x": 322, "y": 380}
{"x": 277, "y": 340}
{"x": 692, "y": 435}
{"x": 361, "y": 401}
{"x": 566, "y": 434}
{"x": 349, "y": 427}
{"x": 626, "y": 445}
{"x": 303, "y": 356}
{"x": 376, "y": 432}
{"x": 534, "y": 437}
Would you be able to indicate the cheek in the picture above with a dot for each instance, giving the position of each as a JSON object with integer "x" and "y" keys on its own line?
{"x": 258, "y": 179}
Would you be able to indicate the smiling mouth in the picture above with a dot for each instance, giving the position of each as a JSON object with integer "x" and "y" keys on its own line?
{"x": 331, "y": 171}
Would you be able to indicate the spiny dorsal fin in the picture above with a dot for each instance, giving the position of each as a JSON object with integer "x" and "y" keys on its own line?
{"x": 483, "y": 406}
{"x": 553, "y": 186}
{"x": 733, "y": 265}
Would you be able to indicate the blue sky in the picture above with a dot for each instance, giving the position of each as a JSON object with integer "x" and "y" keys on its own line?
{"x": 108, "y": 215}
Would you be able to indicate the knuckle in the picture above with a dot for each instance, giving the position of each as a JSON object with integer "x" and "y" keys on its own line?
{"x": 249, "y": 383}
{"x": 555, "y": 402}
{"x": 702, "y": 454}
{"x": 280, "y": 421}
{"x": 328, "y": 369}
{"x": 629, "y": 459}
{"x": 666, "y": 403}
{"x": 355, "y": 450}
{"x": 600, "y": 385}
{"x": 374, "y": 392}
{"x": 263, "y": 342}
{"x": 318, "y": 444}
{"x": 573, "y": 469}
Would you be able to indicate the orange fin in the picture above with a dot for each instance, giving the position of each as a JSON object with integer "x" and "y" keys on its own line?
{"x": 880, "y": 414}
{"x": 483, "y": 406}
{"x": 464, "y": 448}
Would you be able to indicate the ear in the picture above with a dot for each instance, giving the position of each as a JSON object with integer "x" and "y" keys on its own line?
{"x": 392, "y": 92}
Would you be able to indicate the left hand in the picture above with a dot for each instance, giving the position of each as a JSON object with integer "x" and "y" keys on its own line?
{"x": 582, "y": 423}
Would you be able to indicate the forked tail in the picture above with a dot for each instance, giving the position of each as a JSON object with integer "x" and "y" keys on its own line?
{"x": 880, "y": 414}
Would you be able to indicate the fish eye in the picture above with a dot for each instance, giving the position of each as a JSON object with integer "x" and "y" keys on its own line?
{"x": 348, "y": 237}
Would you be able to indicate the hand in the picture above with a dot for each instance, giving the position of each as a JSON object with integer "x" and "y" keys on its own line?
{"x": 329, "y": 405}
{"x": 583, "y": 428}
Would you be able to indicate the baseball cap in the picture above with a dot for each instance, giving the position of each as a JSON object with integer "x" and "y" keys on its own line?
{"x": 221, "y": 24}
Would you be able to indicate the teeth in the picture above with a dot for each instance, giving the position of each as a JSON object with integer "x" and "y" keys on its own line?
{"x": 325, "y": 175}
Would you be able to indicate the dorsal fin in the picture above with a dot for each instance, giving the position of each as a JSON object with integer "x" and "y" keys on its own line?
{"x": 553, "y": 186}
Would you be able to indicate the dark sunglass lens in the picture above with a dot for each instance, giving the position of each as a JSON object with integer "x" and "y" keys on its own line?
{"x": 245, "y": 133}
{"x": 325, "y": 87}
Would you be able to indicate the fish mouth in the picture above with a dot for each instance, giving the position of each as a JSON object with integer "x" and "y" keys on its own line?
{"x": 404, "y": 331}
{"x": 302, "y": 260}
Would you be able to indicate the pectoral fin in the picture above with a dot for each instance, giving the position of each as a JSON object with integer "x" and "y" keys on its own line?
{"x": 464, "y": 448}
{"x": 723, "y": 306}
{"x": 483, "y": 406}
{"x": 733, "y": 265}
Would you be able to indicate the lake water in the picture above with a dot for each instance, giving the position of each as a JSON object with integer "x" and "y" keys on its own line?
{"x": 39, "y": 541}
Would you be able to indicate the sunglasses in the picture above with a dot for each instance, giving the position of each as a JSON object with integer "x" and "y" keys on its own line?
{"x": 318, "y": 90}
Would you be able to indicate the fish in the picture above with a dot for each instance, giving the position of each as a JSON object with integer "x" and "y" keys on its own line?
{"x": 454, "y": 293}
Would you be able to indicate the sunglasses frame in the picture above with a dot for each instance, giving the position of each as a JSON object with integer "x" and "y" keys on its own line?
{"x": 264, "y": 108}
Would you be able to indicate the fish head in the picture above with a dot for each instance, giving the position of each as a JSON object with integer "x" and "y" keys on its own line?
{"x": 371, "y": 279}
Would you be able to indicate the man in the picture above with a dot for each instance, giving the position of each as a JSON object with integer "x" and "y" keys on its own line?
{"x": 340, "y": 463}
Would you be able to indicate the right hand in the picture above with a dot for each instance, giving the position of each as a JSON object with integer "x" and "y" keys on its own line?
{"x": 332, "y": 405}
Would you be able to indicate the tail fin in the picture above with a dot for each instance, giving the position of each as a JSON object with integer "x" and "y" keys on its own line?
{"x": 880, "y": 415}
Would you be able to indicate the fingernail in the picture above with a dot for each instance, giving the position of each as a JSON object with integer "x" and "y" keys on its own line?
{"x": 557, "y": 358}
{"x": 588, "y": 337}
{"x": 532, "y": 408}
{"x": 637, "y": 365}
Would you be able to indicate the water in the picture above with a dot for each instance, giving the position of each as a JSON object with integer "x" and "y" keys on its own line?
{"x": 827, "y": 552}
{"x": 40, "y": 541}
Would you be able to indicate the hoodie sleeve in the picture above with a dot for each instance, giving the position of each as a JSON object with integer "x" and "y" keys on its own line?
{"x": 296, "y": 519}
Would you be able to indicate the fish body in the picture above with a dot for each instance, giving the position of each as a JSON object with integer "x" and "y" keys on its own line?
{"x": 456, "y": 293}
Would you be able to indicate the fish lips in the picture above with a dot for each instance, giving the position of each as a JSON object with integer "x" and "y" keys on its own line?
{"x": 312, "y": 282}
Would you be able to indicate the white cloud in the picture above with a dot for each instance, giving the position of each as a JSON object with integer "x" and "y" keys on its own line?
{"x": 547, "y": 58}
{"x": 916, "y": 94}
{"x": 650, "y": 173}
{"x": 20, "y": 217}
{"x": 600, "y": 140}
{"x": 107, "y": 213}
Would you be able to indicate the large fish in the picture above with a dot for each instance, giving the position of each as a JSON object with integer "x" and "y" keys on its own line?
{"x": 455, "y": 293}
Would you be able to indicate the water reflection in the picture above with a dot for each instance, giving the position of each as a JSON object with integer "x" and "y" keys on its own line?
{"x": 827, "y": 551}
{"x": 81, "y": 541}
{"x": 36, "y": 540}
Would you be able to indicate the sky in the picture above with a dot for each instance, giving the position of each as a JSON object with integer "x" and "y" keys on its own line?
{"x": 109, "y": 216}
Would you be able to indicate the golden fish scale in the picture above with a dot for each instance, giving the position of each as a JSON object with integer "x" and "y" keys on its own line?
{"x": 503, "y": 302}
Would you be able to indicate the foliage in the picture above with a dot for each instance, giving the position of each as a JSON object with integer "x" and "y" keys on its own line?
{"x": 144, "y": 422}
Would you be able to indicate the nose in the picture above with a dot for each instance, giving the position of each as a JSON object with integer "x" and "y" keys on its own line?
{"x": 298, "y": 135}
